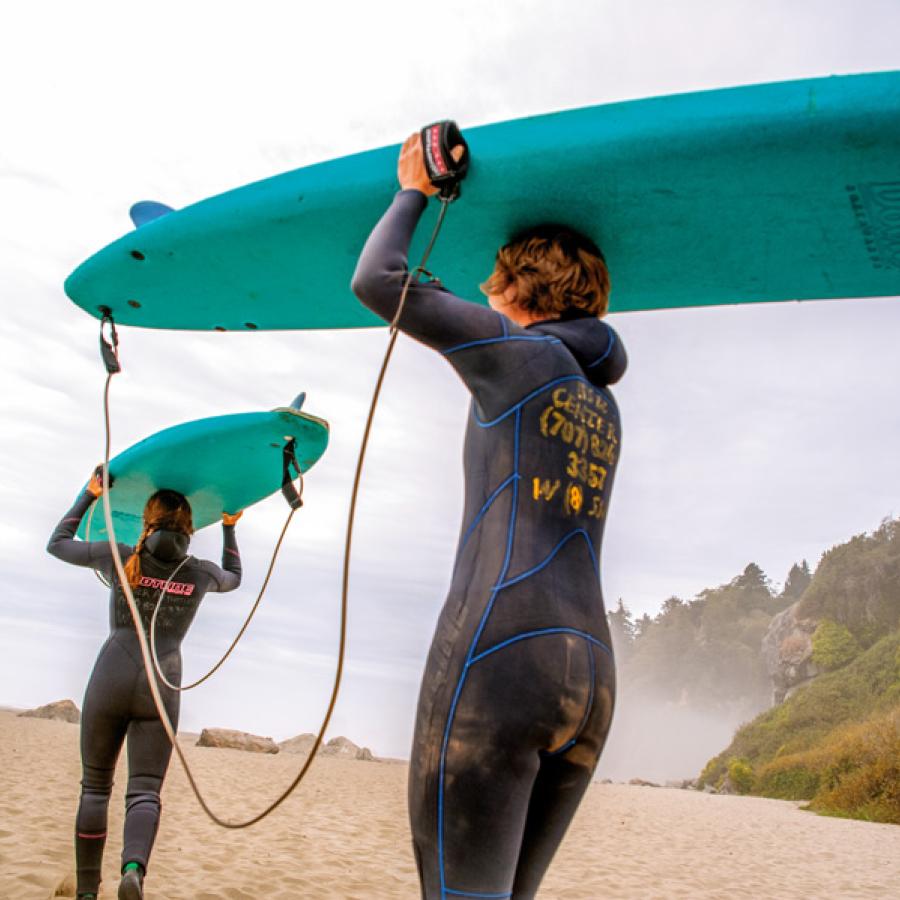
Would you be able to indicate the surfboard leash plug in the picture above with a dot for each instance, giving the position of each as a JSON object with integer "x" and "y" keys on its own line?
{"x": 293, "y": 496}
{"x": 109, "y": 349}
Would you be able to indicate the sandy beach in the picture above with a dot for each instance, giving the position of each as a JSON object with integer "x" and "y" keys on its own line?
{"x": 344, "y": 834}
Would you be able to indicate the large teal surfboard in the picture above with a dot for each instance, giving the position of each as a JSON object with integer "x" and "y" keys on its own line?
{"x": 221, "y": 464}
{"x": 762, "y": 193}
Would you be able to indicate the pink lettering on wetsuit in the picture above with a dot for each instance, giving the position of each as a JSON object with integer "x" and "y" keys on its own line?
{"x": 176, "y": 587}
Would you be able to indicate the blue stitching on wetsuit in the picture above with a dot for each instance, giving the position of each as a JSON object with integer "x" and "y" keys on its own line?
{"x": 476, "y": 894}
{"x": 587, "y": 710}
{"x": 534, "y": 393}
{"x": 568, "y": 745}
{"x": 612, "y": 341}
{"x": 509, "y": 542}
{"x": 501, "y": 340}
{"x": 533, "y": 571}
{"x": 484, "y": 509}
{"x": 525, "y": 635}
{"x": 462, "y": 677}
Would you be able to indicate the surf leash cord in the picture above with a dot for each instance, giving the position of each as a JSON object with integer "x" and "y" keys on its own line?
{"x": 448, "y": 191}
{"x": 360, "y": 460}
{"x": 149, "y": 655}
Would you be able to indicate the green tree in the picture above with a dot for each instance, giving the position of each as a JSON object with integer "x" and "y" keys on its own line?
{"x": 621, "y": 628}
{"x": 858, "y": 585}
{"x": 833, "y": 645}
{"x": 669, "y": 607}
{"x": 797, "y": 581}
{"x": 753, "y": 581}
{"x": 642, "y": 625}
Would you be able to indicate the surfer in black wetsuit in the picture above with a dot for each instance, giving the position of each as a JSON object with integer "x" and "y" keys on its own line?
{"x": 117, "y": 702}
{"x": 518, "y": 690}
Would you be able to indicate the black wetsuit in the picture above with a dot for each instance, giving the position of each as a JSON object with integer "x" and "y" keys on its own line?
{"x": 518, "y": 690}
{"x": 117, "y": 702}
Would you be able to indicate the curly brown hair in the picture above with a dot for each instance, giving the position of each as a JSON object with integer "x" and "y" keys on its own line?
{"x": 556, "y": 270}
{"x": 165, "y": 510}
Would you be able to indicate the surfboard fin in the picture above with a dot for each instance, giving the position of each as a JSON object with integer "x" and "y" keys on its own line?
{"x": 145, "y": 211}
{"x": 297, "y": 402}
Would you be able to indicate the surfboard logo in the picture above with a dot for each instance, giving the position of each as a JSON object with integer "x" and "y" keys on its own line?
{"x": 877, "y": 209}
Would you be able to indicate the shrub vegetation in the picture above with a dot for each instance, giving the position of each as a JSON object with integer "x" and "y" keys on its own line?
{"x": 836, "y": 742}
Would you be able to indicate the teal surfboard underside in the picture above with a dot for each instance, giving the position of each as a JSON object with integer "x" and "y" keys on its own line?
{"x": 762, "y": 193}
{"x": 221, "y": 464}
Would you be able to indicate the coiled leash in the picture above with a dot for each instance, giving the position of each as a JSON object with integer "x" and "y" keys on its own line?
{"x": 449, "y": 172}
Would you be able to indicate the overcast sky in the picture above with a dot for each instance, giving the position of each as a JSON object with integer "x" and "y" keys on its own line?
{"x": 764, "y": 433}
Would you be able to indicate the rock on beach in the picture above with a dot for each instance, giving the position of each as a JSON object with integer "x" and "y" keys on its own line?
{"x": 60, "y": 710}
{"x": 236, "y": 740}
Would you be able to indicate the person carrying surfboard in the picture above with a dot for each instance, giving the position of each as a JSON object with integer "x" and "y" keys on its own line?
{"x": 118, "y": 703}
{"x": 518, "y": 689}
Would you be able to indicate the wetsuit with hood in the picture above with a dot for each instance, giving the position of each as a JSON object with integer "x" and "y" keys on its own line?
{"x": 518, "y": 689}
{"x": 117, "y": 702}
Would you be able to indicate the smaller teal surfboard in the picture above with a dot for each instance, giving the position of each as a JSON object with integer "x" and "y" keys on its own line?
{"x": 221, "y": 464}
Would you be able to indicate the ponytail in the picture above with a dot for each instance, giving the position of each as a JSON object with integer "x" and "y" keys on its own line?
{"x": 133, "y": 566}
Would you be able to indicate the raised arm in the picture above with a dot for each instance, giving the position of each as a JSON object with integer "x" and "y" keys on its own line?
{"x": 228, "y": 577}
{"x": 65, "y": 546}
{"x": 498, "y": 367}
{"x": 431, "y": 314}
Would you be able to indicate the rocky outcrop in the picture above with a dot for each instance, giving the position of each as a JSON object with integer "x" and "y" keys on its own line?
{"x": 787, "y": 651}
{"x": 302, "y": 743}
{"x": 60, "y": 710}
{"x": 236, "y": 740}
{"x": 341, "y": 746}
{"x": 346, "y": 749}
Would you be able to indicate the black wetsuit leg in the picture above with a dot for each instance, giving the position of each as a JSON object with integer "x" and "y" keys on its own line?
{"x": 118, "y": 706}
{"x": 561, "y": 781}
{"x": 103, "y": 728}
{"x": 149, "y": 753}
{"x": 518, "y": 773}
